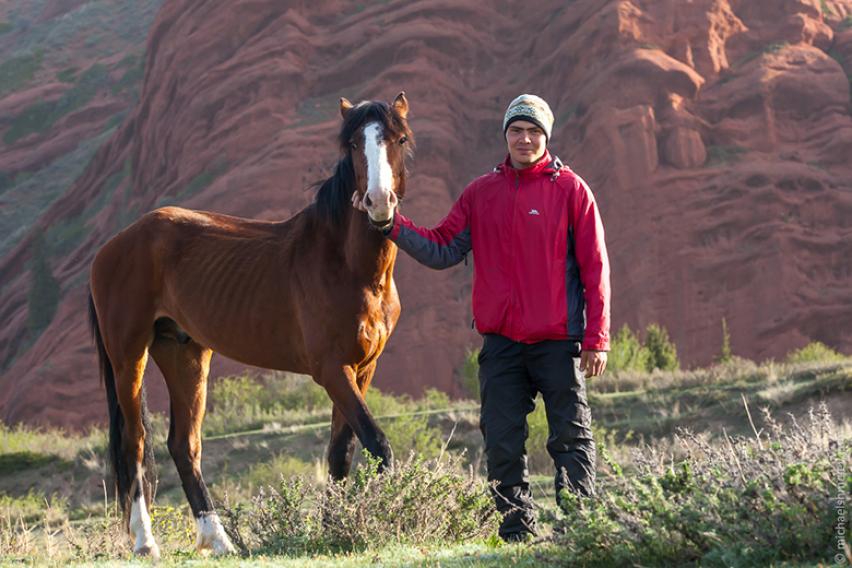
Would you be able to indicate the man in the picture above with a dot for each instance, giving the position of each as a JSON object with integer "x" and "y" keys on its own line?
{"x": 540, "y": 259}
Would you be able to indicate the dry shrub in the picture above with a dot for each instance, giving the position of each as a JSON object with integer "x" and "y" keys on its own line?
{"x": 415, "y": 502}
{"x": 743, "y": 501}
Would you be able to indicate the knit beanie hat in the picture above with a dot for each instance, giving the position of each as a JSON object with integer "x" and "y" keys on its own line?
{"x": 531, "y": 108}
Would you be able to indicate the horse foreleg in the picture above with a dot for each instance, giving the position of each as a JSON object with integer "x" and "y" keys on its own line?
{"x": 341, "y": 447}
{"x": 185, "y": 367}
{"x": 341, "y": 384}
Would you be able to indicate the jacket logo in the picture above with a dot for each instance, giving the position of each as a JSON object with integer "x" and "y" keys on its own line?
{"x": 534, "y": 212}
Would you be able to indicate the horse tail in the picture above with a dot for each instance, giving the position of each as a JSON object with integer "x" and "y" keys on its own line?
{"x": 123, "y": 472}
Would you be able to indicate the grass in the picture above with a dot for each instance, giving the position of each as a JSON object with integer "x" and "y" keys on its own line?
{"x": 16, "y": 72}
{"x": 774, "y": 47}
{"x": 719, "y": 155}
{"x": 195, "y": 185}
{"x": 41, "y": 116}
{"x": 63, "y": 237}
{"x": 283, "y": 510}
{"x": 134, "y": 73}
{"x": 6, "y": 181}
{"x": 314, "y": 110}
{"x": 67, "y": 75}
{"x": 49, "y": 442}
{"x": 650, "y": 405}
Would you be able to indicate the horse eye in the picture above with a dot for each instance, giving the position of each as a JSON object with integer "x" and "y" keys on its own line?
{"x": 403, "y": 140}
{"x": 353, "y": 145}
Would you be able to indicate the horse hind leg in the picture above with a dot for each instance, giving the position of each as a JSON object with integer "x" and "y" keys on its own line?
{"x": 341, "y": 446}
{"x": 185, "y": 365}
{"x": 132, "y": 456}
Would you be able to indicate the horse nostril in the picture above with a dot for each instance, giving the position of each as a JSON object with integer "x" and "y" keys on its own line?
{"x": 393, "y": 199}
{"x": 367, "y": 201}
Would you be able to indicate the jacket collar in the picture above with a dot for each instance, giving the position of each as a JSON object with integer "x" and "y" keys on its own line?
{"x": 547, "y": 164}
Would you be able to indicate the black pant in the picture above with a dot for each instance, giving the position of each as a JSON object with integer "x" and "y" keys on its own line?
{"x": 510, "y": 375}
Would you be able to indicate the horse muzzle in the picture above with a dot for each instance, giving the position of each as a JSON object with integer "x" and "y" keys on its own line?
{"x": 380, "y": 212}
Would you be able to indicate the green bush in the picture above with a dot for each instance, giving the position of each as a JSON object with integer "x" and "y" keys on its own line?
{"x": 44, "y": 293}
{"x": 244, "y": 402}
{"x": 173, "y": 526}
{"x": 196, "y": 184}
{"x": 662, "y": 352}
{"x": 726, "y": 355}
{"x": 814, "y": 352}
{"x": 272, "y": 471}
{"x": 64, "y": 236}
{"x": 415, "y": 502}
{"x": 538, "y": 458}
{"x": 626, "y": 352}
{"x": 470, "y": 374}
{"x": 67, "y": 75}
{"x": 33, "y": 506}
{"x": 434, "y": 399}
{"x": 234, "y": 394}
{"x": 406, "y": 430}
{"x": 133, "y": 75}
{"x": 15, "y": 72}
{"x": 720, "y": 155}
{"x": 741, "y": 502}
{"x": 42, "y": 115}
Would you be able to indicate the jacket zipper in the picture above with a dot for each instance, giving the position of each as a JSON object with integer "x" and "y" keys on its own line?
{"x": 513, "y": 308}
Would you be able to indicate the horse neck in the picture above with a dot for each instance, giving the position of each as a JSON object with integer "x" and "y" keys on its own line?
{"x": 369, "y": 255}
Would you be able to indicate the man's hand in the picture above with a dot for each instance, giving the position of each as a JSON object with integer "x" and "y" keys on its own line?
{"x": 593, "y": 363}
{"x": 358, "y": 203}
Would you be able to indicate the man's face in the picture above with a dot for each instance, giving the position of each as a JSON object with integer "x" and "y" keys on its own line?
{"x": 526, "y": 143}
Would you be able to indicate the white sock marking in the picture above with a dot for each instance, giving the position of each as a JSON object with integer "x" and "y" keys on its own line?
{"x": 140, "y": 529}
{"x": 211, "y": 534}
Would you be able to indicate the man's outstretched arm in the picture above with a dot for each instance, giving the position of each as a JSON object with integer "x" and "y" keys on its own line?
{"x": 443, "y": 246}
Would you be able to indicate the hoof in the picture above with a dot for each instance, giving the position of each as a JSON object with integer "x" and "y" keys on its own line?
{"x": 149, "y": 550}
{"x": 217, "y": 547}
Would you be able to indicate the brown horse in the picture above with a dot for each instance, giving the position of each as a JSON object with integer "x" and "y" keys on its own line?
{"x": 314, "y": 294}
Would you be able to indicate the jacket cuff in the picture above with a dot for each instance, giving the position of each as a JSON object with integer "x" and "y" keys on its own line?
{"x": 595, "y": 345}
{"x": 392, "y": 232}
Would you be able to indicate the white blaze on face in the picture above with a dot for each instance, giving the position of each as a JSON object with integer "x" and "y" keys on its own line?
{"x": 140, "y": 528}
{"x": 379, "y": 174}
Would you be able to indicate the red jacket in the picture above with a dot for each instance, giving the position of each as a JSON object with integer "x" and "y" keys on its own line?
{"x": 539, "y": 253}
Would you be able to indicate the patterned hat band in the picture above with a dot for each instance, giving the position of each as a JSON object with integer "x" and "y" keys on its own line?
{"x": 531, "y": 108}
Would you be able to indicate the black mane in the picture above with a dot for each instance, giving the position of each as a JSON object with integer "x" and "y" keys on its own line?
{"x": 333, "y": 197}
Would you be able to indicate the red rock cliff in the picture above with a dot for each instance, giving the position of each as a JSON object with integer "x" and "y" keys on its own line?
{"x": 716, "y": 135}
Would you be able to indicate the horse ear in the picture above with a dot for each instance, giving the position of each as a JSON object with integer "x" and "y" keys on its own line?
{"x": 400, "y": 103}
{"x": 345, "y": 105}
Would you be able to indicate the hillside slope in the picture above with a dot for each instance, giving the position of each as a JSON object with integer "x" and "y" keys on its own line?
{"x": 716, "y": 135}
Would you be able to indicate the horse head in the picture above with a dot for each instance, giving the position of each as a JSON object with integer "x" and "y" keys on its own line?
{"x": 376, "y": 138}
